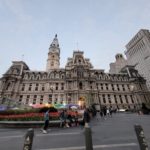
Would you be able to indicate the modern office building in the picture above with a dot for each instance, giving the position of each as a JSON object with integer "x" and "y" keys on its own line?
{"x": 120, "y": 63}
{"x": 138, "y": 54}
{"x": 79, "y": 82}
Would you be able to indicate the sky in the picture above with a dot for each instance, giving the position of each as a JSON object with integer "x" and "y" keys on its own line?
{"x": 100, "y": 28}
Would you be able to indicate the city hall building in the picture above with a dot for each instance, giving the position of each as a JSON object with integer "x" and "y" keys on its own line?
{"x": 79, "y": 82}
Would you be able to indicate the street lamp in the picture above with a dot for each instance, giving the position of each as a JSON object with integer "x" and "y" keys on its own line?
{"x": 99, "y": 98}
{"x": 99, "y": 102}
{"x": 52, "y": 90}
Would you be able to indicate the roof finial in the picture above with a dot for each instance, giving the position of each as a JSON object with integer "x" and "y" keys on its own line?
{"x": 22, "y": 57}
{"x": 55, "y": 35}
{"x": 77, "y": 46}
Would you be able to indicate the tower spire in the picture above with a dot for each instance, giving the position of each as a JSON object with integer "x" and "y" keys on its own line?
{"x": 53, "y": 55}
{"x": 54, "y": 43}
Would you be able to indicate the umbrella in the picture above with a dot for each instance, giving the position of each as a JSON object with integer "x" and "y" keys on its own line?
{"x": 37, "y": 105}
{"x": 59, "y": 106}
{"x": 2, "y": 108}
{"x": 74, "y": 107}
{"x": 71, "y": 105}
{"x": 48, "y": 105}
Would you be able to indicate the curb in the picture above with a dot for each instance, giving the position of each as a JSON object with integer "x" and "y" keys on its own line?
{"x": 27, "y": 124}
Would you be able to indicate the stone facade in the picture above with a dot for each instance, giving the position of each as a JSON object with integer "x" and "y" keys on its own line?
{"x": 77, "y": 83}
{"x": 138, "y": 54}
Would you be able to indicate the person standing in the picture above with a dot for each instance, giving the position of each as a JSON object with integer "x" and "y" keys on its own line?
{"x": 46, "y": 121}
{"x": 76, "y": 118}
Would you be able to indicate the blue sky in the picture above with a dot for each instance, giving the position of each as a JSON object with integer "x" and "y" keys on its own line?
{"x": 101, "y": 28}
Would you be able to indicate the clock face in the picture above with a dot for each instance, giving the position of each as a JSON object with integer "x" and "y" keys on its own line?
{"x": 55, "y": 50}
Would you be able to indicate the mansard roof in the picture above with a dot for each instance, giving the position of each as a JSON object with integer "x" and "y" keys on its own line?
{"x": 78, "y": 59}
{"x": 17, "y": 68}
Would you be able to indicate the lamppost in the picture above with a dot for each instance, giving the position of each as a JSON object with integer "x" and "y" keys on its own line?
{"x": 52, "y": 90}
{"x": 99, "y": 102}
{"x": 99, "y": 99}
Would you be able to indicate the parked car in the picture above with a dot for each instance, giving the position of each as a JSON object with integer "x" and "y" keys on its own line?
{"x": 121, "y": 110}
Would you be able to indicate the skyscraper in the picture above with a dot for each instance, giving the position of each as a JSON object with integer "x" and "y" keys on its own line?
{"x": 138, "y": 53}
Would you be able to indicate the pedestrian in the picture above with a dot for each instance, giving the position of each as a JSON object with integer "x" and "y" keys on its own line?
{"x": 76, "y": 118}
{"x": 105, "y": 112}
{"x": 61, "y": 117}
{"x": 101, "y": 113}
{"x": 46, "y": 121}
{"x": 66, "y": 118}
{"x": 108, "y": 112}
{"x": 86, "y": 117}
{"x": 70, "y": 120}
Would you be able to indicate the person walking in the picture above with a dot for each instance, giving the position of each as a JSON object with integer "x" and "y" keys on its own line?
{"x": 105, "y": 112}
{"x": 86, "y": 117}
{"x": 46, "y": 121}
{"x": 61, "y": 117}
{"x": 108, "y": 112}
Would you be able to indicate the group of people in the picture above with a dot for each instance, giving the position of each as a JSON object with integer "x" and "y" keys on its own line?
{"x": 106, "y": 112}
{"x": 67, "y": 119}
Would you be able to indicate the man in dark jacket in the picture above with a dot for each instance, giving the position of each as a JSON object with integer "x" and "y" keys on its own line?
{"x": 86, "y": 117}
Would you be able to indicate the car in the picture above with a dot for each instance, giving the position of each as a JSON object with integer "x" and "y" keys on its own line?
{"x": 121, "y": 110}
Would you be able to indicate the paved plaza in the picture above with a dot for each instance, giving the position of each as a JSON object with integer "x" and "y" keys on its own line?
{"x": 116, "y": 133}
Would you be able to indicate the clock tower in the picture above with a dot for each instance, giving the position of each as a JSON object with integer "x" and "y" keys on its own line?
{"x": 53, "y": 55}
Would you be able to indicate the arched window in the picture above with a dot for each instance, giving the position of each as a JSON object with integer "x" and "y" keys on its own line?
{"x": 32, "y": 77}
{"x": 38, "y": 77}
{"x": 26, "y": 76}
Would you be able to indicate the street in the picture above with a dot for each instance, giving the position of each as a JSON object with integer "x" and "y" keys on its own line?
{"x": 116, "y": 133}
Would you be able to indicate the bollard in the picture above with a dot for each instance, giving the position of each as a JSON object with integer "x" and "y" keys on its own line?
{"x": 140, "y": 136}
{"x": 88, "y": 138}
{"x": 28, "y": 140}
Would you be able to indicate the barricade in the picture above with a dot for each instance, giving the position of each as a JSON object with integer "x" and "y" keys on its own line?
{"x": 28, "y": 139}
{"x": 141, "y": 138}
{"x": 88, "y": 138}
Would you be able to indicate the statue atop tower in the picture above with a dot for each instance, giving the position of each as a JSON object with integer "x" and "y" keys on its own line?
{"x": 53, "y": 55}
